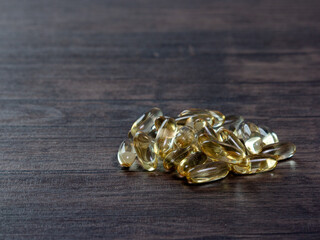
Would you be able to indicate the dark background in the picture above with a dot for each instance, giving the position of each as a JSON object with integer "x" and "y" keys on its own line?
{"x": 74, "y": 75}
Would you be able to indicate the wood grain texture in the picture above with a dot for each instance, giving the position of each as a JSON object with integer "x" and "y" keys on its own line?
{"x": 74, "y": 75}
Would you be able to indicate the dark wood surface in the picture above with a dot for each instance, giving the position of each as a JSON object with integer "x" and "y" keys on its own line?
{"x": 74, "y": 75}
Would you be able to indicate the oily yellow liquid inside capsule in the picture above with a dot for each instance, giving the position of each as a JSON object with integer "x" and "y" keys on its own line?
{"x": 208, "y": 172}
{"x": 202, "y": 127}
{"x": 215, "y": 118}
{"x": 222, "y": 151}
{"x": 185, "y": 137}
{"x": 165, "y": 137}
{"x": 268, "y": 137}
{"x": 228, "y": 137}
{"x": 190, "y": 119}
{"x": 175, "y": 157}
{"x": 232, "y": 123}
{"x": 249, "y": 133}
{"x": 146, "y": 121}
{"x": 246, "y": 130}
{"x": 243, "y": 167}
{"x": 195, "y": 159}
{"x": 257, "y": 164}
{"x": 126, "y": 153}
{"x": 254, "y": 144}
{"x": 280, "y": 150}
{"x": 144, "y": 147}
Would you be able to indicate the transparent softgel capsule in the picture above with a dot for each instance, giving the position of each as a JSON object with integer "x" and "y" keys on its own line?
{"x": 256, "y": 164}
{"x": 228, "y": 137}
{"x": 215, "y": 118}
{"x": 144, "y": 147}
{"x": 222, "y": 151}
{"x": 254, "y": 144}
{"x": 146, "y": 122}
{"x": 126, "y": 153}
{"x": 232, "y": 123}
{"x": 190, "y": 162}
{"x": 268, "y": 136}
{"x": 208, "y": 172}
{"x": 202, "y": 127}
{"x": 165, "y": 137}
{"x": 281, "y": 150}
{"x": 250, "y": 134}
{"x": 175, "y": 157}
{"x": 184, "y": 137}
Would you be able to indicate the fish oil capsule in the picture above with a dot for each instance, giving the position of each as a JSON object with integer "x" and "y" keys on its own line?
{"x": 268, "y": 136}
{"x": 190, "y": 162}
{"x": 281, "y": 150}
{"x": 254, "y": 144}
{"x": 218, "y": 117}
{"x": 249, "y": 133}
{"x": 184, "y": 137}
{"x": 201, "y": 126}
{"x": 146, "y": 121}
{"x": 208, "y": 172}
{"x": 246, "y": 130}
{"x": 243, "y": 167}
{"x": 126, "y": 153}
{"x": 228, "y": 137}
{"x": 260, "y": 163}
{"x": 222, "y": 151}
{"x": 175, "y": 157}
{"x": 190, "y": 119}
{"x": 144, "y": 147}
{"x": 165, "y": 137}
{"x": 233, "y": 122}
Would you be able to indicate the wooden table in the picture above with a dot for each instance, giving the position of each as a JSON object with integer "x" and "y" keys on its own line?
{"x": 74, "y": 75}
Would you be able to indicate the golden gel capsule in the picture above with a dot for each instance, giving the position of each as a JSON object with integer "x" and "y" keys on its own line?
{"x": 165, "y": 137}
{"x": 190, "y": 162}
{"x": 219, "y": 118}
{"x": 146, "y": 121}
{"x": 243, "y": 167}
{"x": 126, "y": 153}
{"x": 249, "y": 133}
{"x": 233, "y": 122}
{"x": 268, "y": 136}
{"x": 215, "y": 118}
{"x": 281, "y": 150}
{"x": 208, "y": 172}
{"x": 246, "y": 130}
{"x": 222, "y": 151}
{"x": 184, "y": 137}
{"x": 144, "y": 147}
{"x": 261, "y": 163}
{"x": 175, "y": 157}
{"x": 254, "y": 144}
{"x": 190, "y": 119}
{"x": 201, "y": 126}
{"x": 258, "y": 163}
{"x": 228, "y": 137}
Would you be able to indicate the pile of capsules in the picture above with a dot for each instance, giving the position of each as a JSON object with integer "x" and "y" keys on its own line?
{"x": 202, "y": 145}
